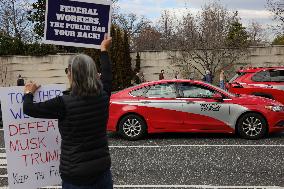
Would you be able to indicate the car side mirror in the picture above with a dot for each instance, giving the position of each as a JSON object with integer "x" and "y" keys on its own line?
{"x": 218, "y": 97}
{"x": 236, "y": 85}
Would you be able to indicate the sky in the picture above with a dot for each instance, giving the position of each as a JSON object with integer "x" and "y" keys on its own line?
{"x": 249, "y": 10}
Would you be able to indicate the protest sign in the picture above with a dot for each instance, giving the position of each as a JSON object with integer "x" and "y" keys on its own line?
{"x": 32, "y": 145}
{"x": 78, "y": 23}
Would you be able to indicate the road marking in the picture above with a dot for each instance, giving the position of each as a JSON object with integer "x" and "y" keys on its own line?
{"x": 233, "y": 145}
{"x": 138, "y": 146}
{"x": 177, "y": 186}
{"x": 167, "y": 146}
{"x": 195, "y": 145}
{"x": 191, "y": 145}
{"x": 193, "y": 186}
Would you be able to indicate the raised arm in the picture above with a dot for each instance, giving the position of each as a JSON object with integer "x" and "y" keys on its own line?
{"x": 51, "y": 109}
{"x": 106, "y": 67}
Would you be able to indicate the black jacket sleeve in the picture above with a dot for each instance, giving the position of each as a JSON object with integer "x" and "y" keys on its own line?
{"x": 106, "y": 69}
{"x": 51, "y": 109}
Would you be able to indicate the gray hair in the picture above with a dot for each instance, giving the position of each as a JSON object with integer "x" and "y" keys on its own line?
{"x": 85, "y": 80}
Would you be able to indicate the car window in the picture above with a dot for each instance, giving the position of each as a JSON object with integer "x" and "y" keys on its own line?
{"x": 263, "y": 76}
{"x": 188, "y": 90}
{"x": 166, "y": 90}
{"x": 138, "y": 92}
{"x": 277, "y": 75}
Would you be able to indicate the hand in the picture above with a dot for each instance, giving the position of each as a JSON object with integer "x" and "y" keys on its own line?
{"x": 31, "y": 87}
{"x": 106, "y": 43}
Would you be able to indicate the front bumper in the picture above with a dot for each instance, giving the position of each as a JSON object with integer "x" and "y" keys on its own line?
{"x": 276, "y": 122}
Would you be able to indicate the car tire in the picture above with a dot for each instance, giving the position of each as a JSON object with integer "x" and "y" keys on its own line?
{"x": 252, "y": 126}
{"x": 132, "y": 127}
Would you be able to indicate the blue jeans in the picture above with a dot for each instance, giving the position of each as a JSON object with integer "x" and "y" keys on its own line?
{"x": 222, "y": 84}
{"x": 104, "y": 182}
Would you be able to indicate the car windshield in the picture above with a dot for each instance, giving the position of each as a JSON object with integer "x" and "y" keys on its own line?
{"x": 239, "y": 74}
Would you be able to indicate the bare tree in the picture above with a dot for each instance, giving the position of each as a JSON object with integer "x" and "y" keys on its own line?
{"x": 256, "y": 33}
{"x": 148, "y": 39}
{"x": 212, "y": 40}
{"x": 13, "y": 18}
{"x": 132, "y": 23}
{"x": 277, "y": 7}
{"x": 168, "y": 27}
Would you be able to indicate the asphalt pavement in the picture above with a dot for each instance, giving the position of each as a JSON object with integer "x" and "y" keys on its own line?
{"x": 191, "y": 161}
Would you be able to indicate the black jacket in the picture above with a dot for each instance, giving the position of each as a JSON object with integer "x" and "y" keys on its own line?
{"x": 82, "y": 124}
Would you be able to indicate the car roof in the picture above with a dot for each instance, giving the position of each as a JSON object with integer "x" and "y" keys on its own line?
{"x": 171, "y": 80}
{"x": 165, "y": 81}
{"x": 127, "y": 90}
{"x": 257, "y": 69}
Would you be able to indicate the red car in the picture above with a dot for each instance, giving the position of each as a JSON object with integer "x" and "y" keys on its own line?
{"x": 265, "y": 82}
{"x": 191, "y": 106}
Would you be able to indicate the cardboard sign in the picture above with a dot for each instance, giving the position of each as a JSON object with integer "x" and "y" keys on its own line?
{"x": 78, "y": 23}
{"x": 32, "y": 145}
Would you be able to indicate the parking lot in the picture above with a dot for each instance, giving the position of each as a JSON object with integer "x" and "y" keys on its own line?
{"x": 192, "y": 161}
{"x": 198, "y": 160}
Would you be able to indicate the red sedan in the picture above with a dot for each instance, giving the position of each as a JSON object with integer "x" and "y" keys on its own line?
{"x": 265, "y": 82}
{"x": 191, "y": 106}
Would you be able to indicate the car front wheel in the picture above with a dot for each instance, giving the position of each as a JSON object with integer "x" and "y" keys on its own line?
{"x": 132, "y": 127}
{"x": 252, "y": 126}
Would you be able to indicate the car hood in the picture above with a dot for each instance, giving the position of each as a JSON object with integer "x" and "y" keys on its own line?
{"x": 255, "y": 100}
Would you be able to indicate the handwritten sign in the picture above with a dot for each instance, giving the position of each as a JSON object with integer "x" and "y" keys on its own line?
{"x": 32, "y": 145}
{"x": 78, "y": 23}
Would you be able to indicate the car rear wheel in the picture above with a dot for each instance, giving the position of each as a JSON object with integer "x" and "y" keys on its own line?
{"x": 252, "y": 126}
{"x": 132, "y": 127}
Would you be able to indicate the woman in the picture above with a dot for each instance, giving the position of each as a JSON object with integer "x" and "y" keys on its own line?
{"x": 82, "y": 118}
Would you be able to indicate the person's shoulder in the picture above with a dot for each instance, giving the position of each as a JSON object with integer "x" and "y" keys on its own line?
{"x": 66, "y": 98}
{"x": 67, "y": 92}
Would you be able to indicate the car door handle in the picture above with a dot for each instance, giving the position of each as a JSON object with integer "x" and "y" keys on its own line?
{"x": 145, "y": 102}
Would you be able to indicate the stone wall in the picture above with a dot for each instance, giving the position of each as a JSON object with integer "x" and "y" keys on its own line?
{"x": 43, "y": 69}
{"x": 153, "y": 62}
{"x": 50, "y": 69}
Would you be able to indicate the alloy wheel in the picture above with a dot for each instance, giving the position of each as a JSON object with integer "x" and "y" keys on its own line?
{"x": 132, "y": 127}
{"x": 252, "y": 126}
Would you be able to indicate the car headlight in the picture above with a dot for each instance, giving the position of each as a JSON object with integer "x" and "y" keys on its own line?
{"x": 275, "y": 108}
